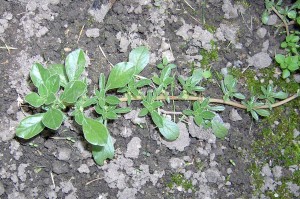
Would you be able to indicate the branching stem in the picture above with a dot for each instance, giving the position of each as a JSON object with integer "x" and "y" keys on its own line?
{"x": 214, "y": 100}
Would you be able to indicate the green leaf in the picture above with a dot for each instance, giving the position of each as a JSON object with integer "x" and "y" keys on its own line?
{"x": 292, "y": 14}
{"x": 280, "y": 95}
{"x": 43, "y": 91}
{"x": 283, "y": 45}
{"x": 196, "y": 76}
{"x": 156, "y": 80}
{"x": 122, "y": 110}
{"x": 293, "y": 38}
{"x": 254, "y": 115}
{"x": 52, "y": 83}
{"x": 101, "y": 153}
{"x": 120, "y": 75}
{"x": 53, "y": 118}
{"x": 280, "y": 58}
{"x": 75, "y": 64}
{"x": 50, "y": 99}
{"x": 207, "y": 115}
{"x": 39, "y": 74}
{"x": 230, "y": 82}
{"x": 239, "y": 96}
{"x": 34, "y": 100}
{"x": 102, "y": 81}
{"x": 262, "y": 112}
{"x": 217, "y": 108}
{"x": 79, "y": 117}
{"x": 59, "y": 69}
{"x": 73, "y": 91}
{"x": 143, "y": 82}
{"x": 140, "y": 58}
{"x": 188, "y": 112}
{"x": 169, "y": 130}
{"x": 265, "y": 17}
{"x": 165, "y": 61}
{"x": 196, "y": 105}
{"x": 285, "y": 73}
{"x": 198, "y": 120}
{"x": 143, "y": 112}
{"x": 95, "y": 132}
{"x": 207, "y": 74}
{"x": 293, "y": 66}
{"x": 111, "y": 115}
{"x": 89, "y": 102}
{"x": 157, "y": 119}
{"x": 113, "y": 100}
{"x": 30, "y": 126}
{"x": 219, "y": 129}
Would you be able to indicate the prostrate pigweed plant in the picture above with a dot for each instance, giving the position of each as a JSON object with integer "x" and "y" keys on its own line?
{"x": 62, "y": 92}
{"x": 289, "y": 15}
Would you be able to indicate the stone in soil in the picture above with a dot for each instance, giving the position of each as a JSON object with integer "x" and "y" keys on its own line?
{"x": 133, "y": 148}
{"x": 260, "y": 60}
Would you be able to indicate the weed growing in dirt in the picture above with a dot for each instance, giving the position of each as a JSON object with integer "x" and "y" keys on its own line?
{"x": 62, "y": 92}
{"x": 179, "y": 180}
{"x": 289, "y": 15}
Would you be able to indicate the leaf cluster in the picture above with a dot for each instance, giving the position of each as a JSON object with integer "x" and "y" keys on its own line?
{"x": 289, "y": 62}
{"x": 228, "y": 86}
{"x": 62, "y": 92}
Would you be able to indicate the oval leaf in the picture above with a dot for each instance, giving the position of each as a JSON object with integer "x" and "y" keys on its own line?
{"x": 170, "y": 130}
{"x": 39, "y": 74}
{"x": 75, "y": 64}
{"x": 73, "y": 91}
{"x": 95, "y": 132}
{"x": 262, "y": 112}
{"x": 113, "y": 100}
{"x": 30, "y": 126}
{"x": 120, "y": 75}
{"x": 140, "y": 58}
{"x": 207, "y": 115}
{"x": 280, "y": 95}
{"x": 43, "y": 91}
{"x": 101, "y": 153}
{"x": 52, "y": 83}
{"x": 239, "y": 96}
{"x": 59, "y": 69}
{"x": 53, "y": 118}
{"x": 157, "y": 119}
{"x": 34, "y": 100}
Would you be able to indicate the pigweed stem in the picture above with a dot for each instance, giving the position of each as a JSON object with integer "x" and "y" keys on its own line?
{"x": 214, "y": 100}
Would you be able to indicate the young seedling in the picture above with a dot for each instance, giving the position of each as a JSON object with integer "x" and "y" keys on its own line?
{"x": 61, "y": 88}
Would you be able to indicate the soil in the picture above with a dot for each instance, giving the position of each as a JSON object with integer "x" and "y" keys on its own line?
{"x": 49, "y": 167}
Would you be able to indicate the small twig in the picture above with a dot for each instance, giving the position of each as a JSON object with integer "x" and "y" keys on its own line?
{"x": 187, "y": 3}
{"x": 61, "y": 138}
{"x": 190, "y": 15}
{"x": 282, "y": 19}
{"x": 7, "y": 47}
{"x": 170, "y": 112}
{"x": 93, "y": 181}
{"x": 105, "y": 56}
{"x": 80, "y": 33}
{"x": 52, "y": 178}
